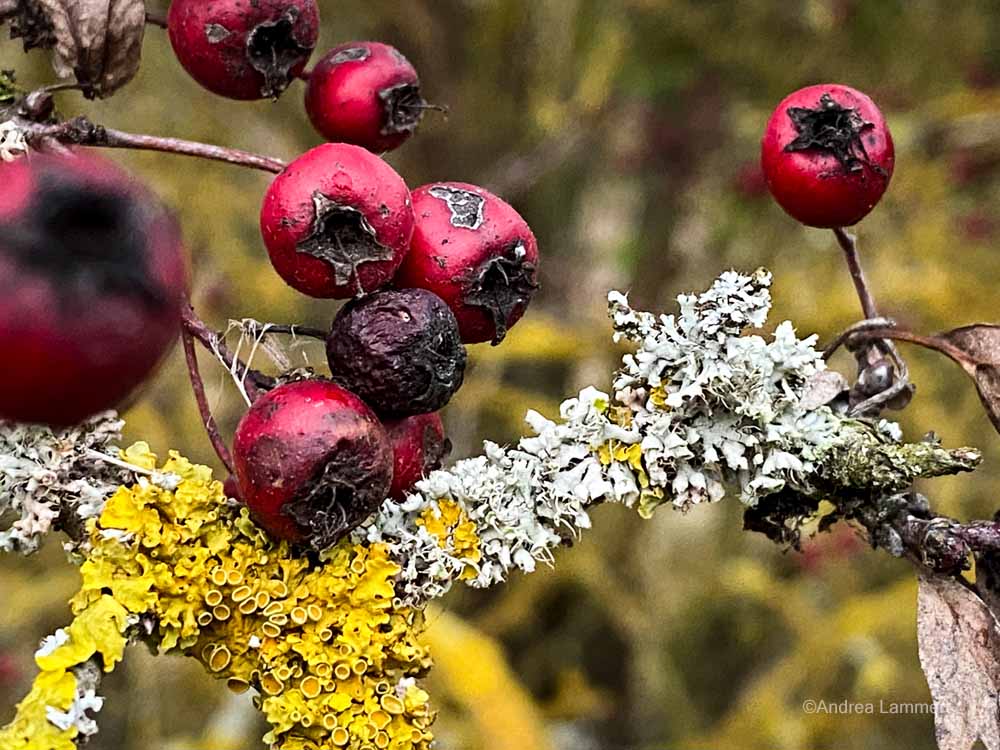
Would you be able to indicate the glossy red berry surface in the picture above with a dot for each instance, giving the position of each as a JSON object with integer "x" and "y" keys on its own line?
{"x": 243, "y": 49}
{"x": 475, "y": 252}
{"x": 312, "y": 462}
{"x": 92, "y": 276}
{"x": 827, "y": 155}
{"x": 418, "y": 447}
{"x": 365, "y": 93}
{"x": 337, "y": 222}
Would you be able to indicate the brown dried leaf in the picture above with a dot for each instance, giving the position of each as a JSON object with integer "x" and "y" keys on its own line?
{"x": 977, "y": 349}
{"x": 959, "y": 643}
{"x": 98, "y": 41}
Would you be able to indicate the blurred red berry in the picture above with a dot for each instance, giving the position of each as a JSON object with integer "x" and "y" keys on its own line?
{"x": 475, "y": 252}
{"x": 337, "y": 222}
{"x": 750, "y": 181}
{"x": 365, "y": 93}
{"x": 243, "y": 49}
{"x": 827, "y": 155}
{"x": 312, "y": 462}
{"x": 418, "y": 447}
{"x": 92, "y": 276}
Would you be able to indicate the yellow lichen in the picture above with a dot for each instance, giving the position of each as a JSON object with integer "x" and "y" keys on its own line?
{"x": 448, "y": 522}
{"x": 323, "y": 643}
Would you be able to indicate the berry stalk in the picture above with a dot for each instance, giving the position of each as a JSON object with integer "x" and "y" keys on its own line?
{"x": 849, "y": 245}
{"x": 198, "y": 386}
{"x": 82, "y": 132}
{"x": 155, "y": 19}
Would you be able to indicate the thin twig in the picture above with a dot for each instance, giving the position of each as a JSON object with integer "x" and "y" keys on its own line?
{"x": 155, "y": 19}
{"x": 849, "y": 245}
{"x": 928, "y": 342}
{"x": 82, "y": 132}
{"x": 198, "y": 386}
{"x": 287, "y": 329}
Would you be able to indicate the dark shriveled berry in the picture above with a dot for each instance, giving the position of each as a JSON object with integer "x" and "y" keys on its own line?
{"x": 312, "y": 462}
{"x": 399, "y": 350}
{"x": 418, "y": 447}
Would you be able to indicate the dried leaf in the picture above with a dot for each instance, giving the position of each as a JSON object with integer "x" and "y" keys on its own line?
{"x": 977, "y": 349}
{"x": 822, "y": 388}
{"x": 959, "y": 642}
{"x": 98, "y": 41}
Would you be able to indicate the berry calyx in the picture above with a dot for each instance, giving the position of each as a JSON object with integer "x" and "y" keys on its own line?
{"x": 399, "y": 350}
{"x": 312, "y": 462}
{"x": 92, "y": 278}
{"x": 365, "y": 93}
{"x": 827, "y": 155}
{"x": 418, "y": 447}
{"x": 243, "y": 50}
{"x": 475, "y": 252}
{"x": 337, "y": 222}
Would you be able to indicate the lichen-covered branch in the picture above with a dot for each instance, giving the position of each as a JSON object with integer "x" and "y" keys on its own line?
{"x": 702, "y": 408}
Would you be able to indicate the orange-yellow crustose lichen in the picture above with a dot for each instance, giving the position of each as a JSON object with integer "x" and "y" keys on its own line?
{"x": 448, "y": 522}
{"x": 331, "y": 652}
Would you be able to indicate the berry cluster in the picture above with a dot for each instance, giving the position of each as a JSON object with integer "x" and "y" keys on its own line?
{"x": 425, "y": 272}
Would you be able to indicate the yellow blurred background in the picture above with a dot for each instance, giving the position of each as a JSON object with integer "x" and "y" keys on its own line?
{"x": 626, "y": 133}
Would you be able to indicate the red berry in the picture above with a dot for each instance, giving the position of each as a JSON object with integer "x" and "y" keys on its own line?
{"x": 399, "y": 350}
{"x": 243, "y": 49}
{"x": 92, "y": 275}
{"x": 312, "y": 462}
{"x": 365, "y": 93}
{"x": 337, "y": 222}
{"x": 418, "y": 447}
{"x": 475, "y": 252}
{"x": 828, "y": 155}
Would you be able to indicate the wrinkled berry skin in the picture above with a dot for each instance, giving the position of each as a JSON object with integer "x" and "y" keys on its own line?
{"x": 312, "y": 462}
{"x": 475, "y": 252}
{"x": 399, "y": 350}
{"x": 92, "y": 277}
{"x": 243, "y": 49}
{"x": 337, "y": 222}
{"x": 418, "y": 447}
{"x": 827, "y": 155}
{"x": 365, "y": 93}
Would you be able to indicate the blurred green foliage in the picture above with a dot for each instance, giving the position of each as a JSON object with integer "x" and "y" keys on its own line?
{"x": 627, "y": 135}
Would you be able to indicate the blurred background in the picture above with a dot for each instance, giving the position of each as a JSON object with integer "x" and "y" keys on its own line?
{"x": 627, "y": 135}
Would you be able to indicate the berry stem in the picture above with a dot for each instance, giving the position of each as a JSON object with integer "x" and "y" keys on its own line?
{"x": 253, "y": 381}
{"x": 155, "y": 19}
{"x": 82, "y": 132}
{"x": 849, "y": 245}
{"x": 198, "y": 386}
{"x": 291, "y": 330}
{"x": 928, "y": 342}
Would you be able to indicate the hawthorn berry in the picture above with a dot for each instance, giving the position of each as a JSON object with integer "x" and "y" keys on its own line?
{"x": 92, "y": 277}
{"x": 243, "y": 49}
{"x": 418, "y": 447}
{"x": 827, "y": 155}
{"x": 475, "y": 252}
{"x": 399, "y": 350}
{"x": 365, "y": 93}
{"x": 312, "y": 462}
{"x": 337, "y": 222}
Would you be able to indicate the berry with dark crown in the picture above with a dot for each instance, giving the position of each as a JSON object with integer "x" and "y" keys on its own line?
{"x": 475, "y": 252}
{"x": 399, "y": 350}
{"x": 365, "y": 93}
{"x": 312, "y": 462}
{"x": 337, "y": 222}
{"x": 827, "y": 155}
{"x": 243, "y": 49}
